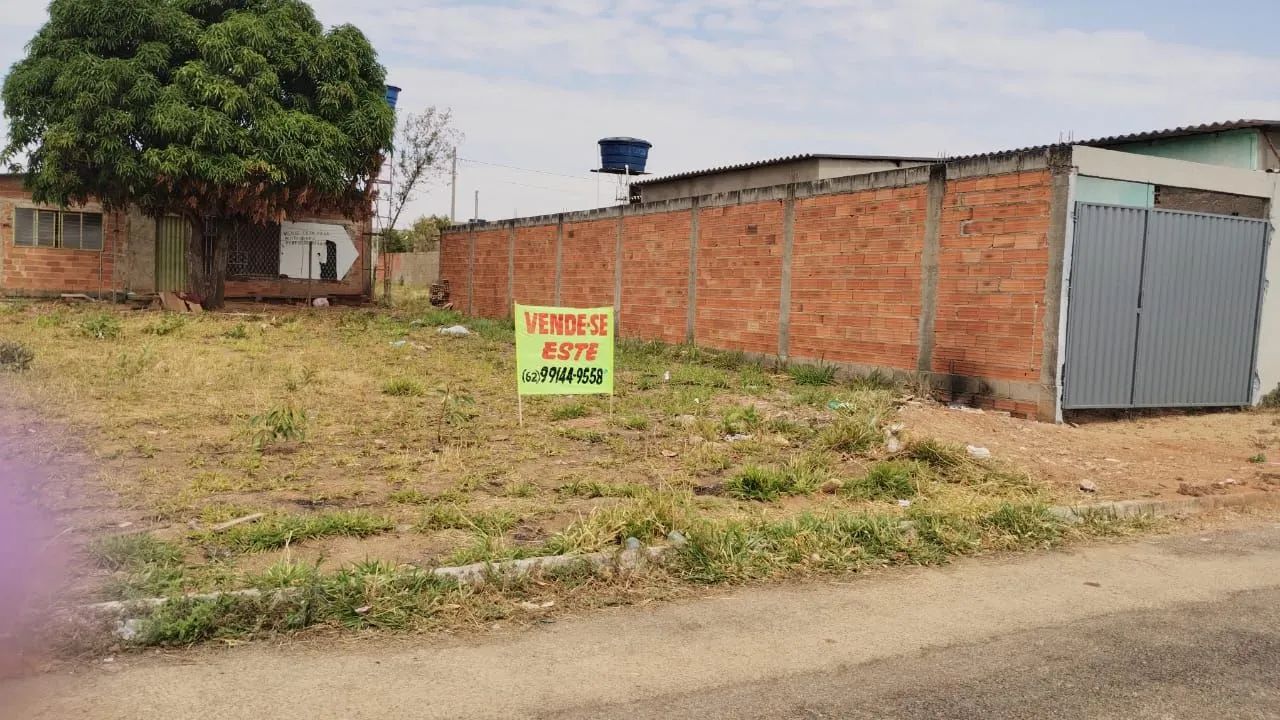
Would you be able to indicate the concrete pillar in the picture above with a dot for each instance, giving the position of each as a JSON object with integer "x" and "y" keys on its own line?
{"x": 692, "y": 309}
{"x": 1059, "y": 208}
{"x": 784, "y": 303}
{"x": 511, "y": 269}
{"x": 471, "y": 271}
{"x": 559, "y": 256}
{"x": 929, "y": 266}
{"x": 617, "y": 273}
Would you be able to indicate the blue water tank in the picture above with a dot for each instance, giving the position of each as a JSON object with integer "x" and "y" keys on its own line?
{"x": 393, "y": 96}
{"x": 624, "y": 154}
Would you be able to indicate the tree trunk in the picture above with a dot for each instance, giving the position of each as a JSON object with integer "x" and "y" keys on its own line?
{"x": 206, "y": 264}
{"x": 386, "y": 277}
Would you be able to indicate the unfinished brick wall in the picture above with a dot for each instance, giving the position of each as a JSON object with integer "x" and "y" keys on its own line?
{"x": 588, "y": 257}
{"x": 51, "y": 271}
{"x": 655, "y": 276}
{"x": 855, "y": 277}
{"x": 992, "y": 263}
{"x": 535, "y": 265}
{"x": 491, "y": 273}
{"x": 454, "y": 248}
{"x": 739, "y": 277}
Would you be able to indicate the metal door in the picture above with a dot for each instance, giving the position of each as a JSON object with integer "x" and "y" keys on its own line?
{"x": 1197, "y": 333}
{"x": 1102, "y": 319}
{"x": 1163, "y": 308}
{"x": 171, "y": 254}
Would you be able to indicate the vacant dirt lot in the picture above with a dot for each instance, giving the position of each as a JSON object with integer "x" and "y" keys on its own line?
{"x": 375, "y": 448}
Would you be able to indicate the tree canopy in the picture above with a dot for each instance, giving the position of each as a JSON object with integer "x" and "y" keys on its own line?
{"x": 245, "y": 109}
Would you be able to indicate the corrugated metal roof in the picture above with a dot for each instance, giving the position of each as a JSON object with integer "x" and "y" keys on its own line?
{"x": 780, "y": 160}
{"x": 1203, "y": 129}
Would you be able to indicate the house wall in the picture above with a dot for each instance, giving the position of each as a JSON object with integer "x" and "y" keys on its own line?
{"x": 1239, "y": 149}
{"x": 949, "y": 270}
{"x": 38, "y": 271}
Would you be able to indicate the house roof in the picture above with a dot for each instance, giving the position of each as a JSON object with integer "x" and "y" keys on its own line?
{"x": 779, "y": 161}
{"x": 1203, "y": 129}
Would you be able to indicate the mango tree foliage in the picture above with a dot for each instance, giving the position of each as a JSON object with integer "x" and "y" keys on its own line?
{"x": 238, "y": 110}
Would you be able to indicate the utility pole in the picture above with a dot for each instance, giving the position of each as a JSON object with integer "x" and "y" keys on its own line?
{"x": 477, "y": 215}
{"x": 453, "y": 189}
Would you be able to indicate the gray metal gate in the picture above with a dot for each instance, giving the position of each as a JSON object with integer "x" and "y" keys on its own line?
{"x": 1163, "y": 308}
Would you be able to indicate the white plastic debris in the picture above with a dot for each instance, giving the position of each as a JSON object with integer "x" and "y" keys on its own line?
{"x": 737, "y": 437}
{"x": 978, "y": 453}
{"x": 904, "y": 503}
{"x": 964, "y": 408}
{"x": 1088, "y": 486}
{"x": 666, "y": 376}
{"x": 892, "y": 443}
{"x": 320, "y": 302}
{"x": 398, "y": 343}
{"x": 455, "y": 331}
{"x": 128, "y": 629}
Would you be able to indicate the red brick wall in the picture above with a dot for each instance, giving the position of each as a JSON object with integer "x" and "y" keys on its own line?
{"x": 491, "y": 274}
{"x": 739, "y": 277}
{"x": 454, "y": 247}
{"x": 993, "y": 260}
{"x": 588, "y": 260}
{"x": 536, "y": 265}
{"x": 855, "y": 277}
{"x": 49, "y": 271}
{"x": 655, "y": 276}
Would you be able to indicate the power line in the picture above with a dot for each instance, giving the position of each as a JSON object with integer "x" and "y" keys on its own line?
{"x": 539, "y": 187}
{"x": 513, "y": 167}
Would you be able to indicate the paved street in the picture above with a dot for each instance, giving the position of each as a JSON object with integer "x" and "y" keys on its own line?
{"x": 1180, "y": 627}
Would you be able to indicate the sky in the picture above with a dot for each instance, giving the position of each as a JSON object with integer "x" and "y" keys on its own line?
{"x": 533, "y": 85}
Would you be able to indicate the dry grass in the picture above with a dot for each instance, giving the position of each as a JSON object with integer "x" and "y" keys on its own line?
{"x": 352, "y": 429}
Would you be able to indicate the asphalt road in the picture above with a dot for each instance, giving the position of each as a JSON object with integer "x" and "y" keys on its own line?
{"x": 1179, "y": 627}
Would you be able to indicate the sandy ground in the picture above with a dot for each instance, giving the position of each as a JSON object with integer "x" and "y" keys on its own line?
{"x": 1125, "y": 458}
{"x": 1176, "y": 627}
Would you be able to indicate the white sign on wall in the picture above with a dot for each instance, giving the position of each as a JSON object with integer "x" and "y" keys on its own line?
{"x": 316, "y": 251}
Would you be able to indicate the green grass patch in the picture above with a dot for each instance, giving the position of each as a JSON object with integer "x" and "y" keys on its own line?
{"x": 635, "y": 422}
{"x": 799, "y": 476}
{"x": 239, "y": 331}
{"x": 741, "y": 420}
{"x": 890, "y": 480}
{"x": 448, "y": 516}
{"x": 596, "y": 489}
{"x": 100, "y": 326}
{"x": 280, "y": 530}
{"x": 168, "y": 324}
{"x": 813, "y": 375}
{"x": 850, "y": 435}
{"x": 124, "y": 552}
{"x": 570, "y": 411}
{"x": 403, "y": 387}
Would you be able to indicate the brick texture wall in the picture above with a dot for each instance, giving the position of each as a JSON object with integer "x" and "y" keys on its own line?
{"x": 536, "y": 265}
{"x": 50, "y": 271}
{"x": 453, "y": 266}
{"x": 655, "y": 276}
{"x": 491, "y": 273}
{"x": 855, "y": 277}
{"x": 739, "y": 277}
{"x": 992, "y": 263}
{"x": 589, "y": 252}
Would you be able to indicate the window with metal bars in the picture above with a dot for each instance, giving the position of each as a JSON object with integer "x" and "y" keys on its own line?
{"x": 57, "y": 229}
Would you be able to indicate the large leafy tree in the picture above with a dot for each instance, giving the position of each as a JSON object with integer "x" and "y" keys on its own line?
{"x": 242, "y": 111}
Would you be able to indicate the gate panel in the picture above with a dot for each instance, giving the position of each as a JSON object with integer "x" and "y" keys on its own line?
{"x": 171, "y": 254}
{"x": 1198, "y": 324}
{"x": 1102, "y": 321}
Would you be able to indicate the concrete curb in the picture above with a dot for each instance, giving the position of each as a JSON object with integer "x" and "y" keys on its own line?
{"x": 1165, "y": 508}
{"x": 475, "y": 574}
{"x": 632, "y": 558}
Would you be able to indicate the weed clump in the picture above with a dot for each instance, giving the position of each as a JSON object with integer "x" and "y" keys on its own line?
{"x": 403, "y": 387}
{"x": 280, "y": 424}
{"x": 890, "y": 480}
{"x": 571, "y": 411}
{"x": 100, "y": 326}
{"x": 813, "y": 375}
{"x": 168, "y": 324}
{"x": 14, "y": 356}
{"x": 281, "y": 530}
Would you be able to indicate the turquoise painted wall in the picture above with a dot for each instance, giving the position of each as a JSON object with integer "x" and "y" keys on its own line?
{"x": 1234, "y": 148}
{"x": 1115, "y": 192}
